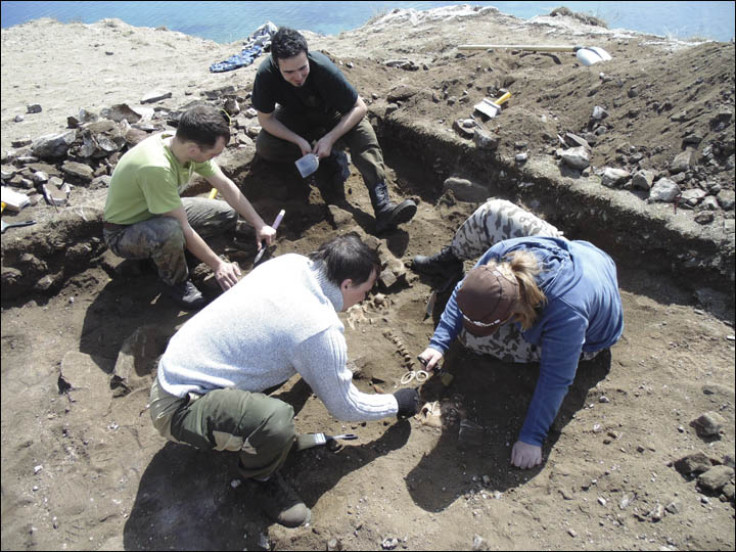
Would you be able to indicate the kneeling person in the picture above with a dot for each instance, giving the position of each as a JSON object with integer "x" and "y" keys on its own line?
{"x": 146, "y": 219}
{"x": 279, "y": 320}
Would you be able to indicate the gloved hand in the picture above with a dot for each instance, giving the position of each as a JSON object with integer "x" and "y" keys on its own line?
{"x": 408, "y": 400}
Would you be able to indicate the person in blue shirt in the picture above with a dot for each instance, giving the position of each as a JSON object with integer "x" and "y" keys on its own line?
{"x": 533, "y": 296}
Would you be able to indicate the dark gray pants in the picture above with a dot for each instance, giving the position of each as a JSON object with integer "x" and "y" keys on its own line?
{"x": 161, "y": 238}
{"x": 361, "y": 140}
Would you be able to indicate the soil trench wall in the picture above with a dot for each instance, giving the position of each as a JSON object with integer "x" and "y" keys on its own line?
{"x": 651, "y": 237}
{"x": 656, "y": 238}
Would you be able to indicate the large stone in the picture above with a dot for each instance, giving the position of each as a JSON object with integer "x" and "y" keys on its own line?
{"x": 708, "y": 424}
{"x": 577, "y": 158}
{"x": 693, "y": 464}
{"x": 643, "y": 180}
{"x": 465, "y": 190}
{"x": 664, "y": 190}
{"x": 614, "y": 178}
{"x": 715, "y": 478}
{"x": 78, "y": 170}
{"x": 682, "y": 162}
{"x": 53, "y": 146}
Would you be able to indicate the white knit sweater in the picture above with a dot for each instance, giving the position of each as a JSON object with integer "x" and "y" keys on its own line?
{"x": 279, "y": 320}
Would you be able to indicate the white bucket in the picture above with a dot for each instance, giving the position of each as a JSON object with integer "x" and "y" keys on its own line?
{"x": 592, "y": 54}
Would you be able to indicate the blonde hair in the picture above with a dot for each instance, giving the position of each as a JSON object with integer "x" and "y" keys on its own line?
{"x": 524, "y": 266}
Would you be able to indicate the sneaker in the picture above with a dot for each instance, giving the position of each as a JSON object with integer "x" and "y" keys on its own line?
{"x": 280, "y": 502}
{"x": 186, "y": 295}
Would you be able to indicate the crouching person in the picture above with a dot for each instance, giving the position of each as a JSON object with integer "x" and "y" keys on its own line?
{"x": 279, "y": 320}
{"x": 534, "y": 296}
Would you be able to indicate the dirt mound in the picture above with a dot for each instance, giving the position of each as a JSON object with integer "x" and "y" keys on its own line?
{"x": 639, "y": 457}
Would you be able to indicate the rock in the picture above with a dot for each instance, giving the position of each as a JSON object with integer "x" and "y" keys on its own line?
{"x": 693, "y": 196}
{"x": 725, "y": 199}
{"x": 155, "y": 96}
{"x": 390, "y": 543}
{"x": 34, "y": 108}
{"x": 715, "y": 478}
{"x": 573, "y": 140}
{"x": 643, "y": 180}
{"x": 682, "y": 162}
{"x": 401, "y": 92}
{"x": 465, "y": 190}
{"x": 120, "y": 112}
{"x": 78, "y": 170}
{"x": 693, "y": 464}
{"x": 479, "y": 543}
{"x": 614, "y": 178}
{"x": 53, "y": 146}
{"x": 599, "y": 113}
{"x": 664, "y": 190}
{"x": 465, "y": 127}
{"x": 708, "y": 424}
{"x": 231, "y": 107}
{"x": 705, "y": 217}
{"x": 485, "y": 140}
{"x": 577, "y": 158}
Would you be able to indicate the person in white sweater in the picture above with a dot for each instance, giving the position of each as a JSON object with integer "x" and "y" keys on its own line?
{"x": 279, "y": 320}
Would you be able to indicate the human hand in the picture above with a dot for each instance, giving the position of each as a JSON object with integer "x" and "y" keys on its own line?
{"x": 430, "y": 358}
{"x": 304, "y": 146}
{"x": 265, "y": 233}
{"x": 227, "y": 275}
{"x": 323, "y": 148}
{"x": 408, "y": 400}
{"x": 525, "y": 456}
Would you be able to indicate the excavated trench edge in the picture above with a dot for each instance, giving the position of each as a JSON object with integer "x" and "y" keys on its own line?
{"x": 40, "y": 264}
{"x": 639, "y": 235}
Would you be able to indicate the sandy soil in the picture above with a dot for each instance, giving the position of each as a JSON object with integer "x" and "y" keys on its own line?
{"x": 82, "y": 468}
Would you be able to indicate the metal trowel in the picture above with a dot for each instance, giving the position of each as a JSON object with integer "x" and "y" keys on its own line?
{"x": 6, "y": 225}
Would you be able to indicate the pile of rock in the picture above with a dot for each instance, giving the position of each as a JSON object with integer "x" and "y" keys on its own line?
{"x": 53, "y": 165}
{"x": 686, "y": 183}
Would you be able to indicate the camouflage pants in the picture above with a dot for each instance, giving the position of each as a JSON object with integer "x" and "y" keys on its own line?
{"x": 365, "y": 152}
{"x": 258, "y": 427}
{"x": 494, "y": 221}
{"x": 161, "y": 238}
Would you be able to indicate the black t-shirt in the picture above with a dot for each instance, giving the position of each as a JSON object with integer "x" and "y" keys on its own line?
{"x": 325, "y": 90}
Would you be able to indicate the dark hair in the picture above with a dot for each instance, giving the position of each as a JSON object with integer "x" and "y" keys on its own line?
{"x": 287, "y": 43}
{"x": 347, "y": 257}
{"x": 203, "y": 125}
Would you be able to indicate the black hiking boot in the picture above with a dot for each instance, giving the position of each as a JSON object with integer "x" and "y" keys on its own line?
{"x": 388, "y": 214}
{"x": 280, "y": 502}
{"x": 444, "y": 264}
{"x": 185, "y": 294}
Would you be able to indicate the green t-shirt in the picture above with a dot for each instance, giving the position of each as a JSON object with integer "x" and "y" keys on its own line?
{"x": 147, "y": 181}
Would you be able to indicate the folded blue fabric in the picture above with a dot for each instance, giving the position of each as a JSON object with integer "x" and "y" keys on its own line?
{"x": 245, "y": 57}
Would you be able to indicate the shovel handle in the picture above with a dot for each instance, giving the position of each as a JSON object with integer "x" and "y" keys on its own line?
{"x": 503, "y": 98}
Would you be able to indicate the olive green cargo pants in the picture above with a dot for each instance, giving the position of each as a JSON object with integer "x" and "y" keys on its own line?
{"x": 258, "y": 427}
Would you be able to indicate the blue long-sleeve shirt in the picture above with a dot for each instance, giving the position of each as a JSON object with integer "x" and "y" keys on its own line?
{"x": 583, "y": 313}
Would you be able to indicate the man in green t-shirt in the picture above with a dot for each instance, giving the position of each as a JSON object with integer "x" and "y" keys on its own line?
{"x": 146, "y": 218}
{"x": 317, "y": 105}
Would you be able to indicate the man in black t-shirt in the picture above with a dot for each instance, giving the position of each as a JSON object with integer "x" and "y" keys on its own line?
{"x": 317, "y": 105}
